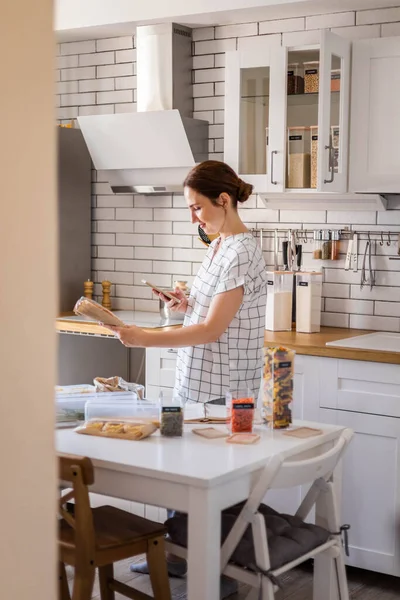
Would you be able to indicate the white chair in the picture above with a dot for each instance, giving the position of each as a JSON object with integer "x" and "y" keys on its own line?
{"x": 282, "y": 473}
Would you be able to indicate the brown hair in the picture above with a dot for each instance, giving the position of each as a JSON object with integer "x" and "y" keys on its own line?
{"x": 212, "y": 177}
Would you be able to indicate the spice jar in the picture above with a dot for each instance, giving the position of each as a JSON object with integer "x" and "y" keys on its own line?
{"x": 295, "y": 79}
{"x": 308, "y": 302}
{"x": 335, "y": 244}
{"x": 335, "y": 80}
{"x": 298, "y": 168}
{"x": 240, "y": 408}
{"x": 278, "y": 315}
{"x": 326, "y": 245}
{"x": 311, "y": 77}
{"x": 317, "y": 252}
{"x": 314, "y": 156}
{"x": 278, "y": 387}
{"x": 171, "y": 416}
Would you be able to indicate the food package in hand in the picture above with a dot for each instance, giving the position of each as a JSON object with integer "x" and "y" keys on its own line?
{"x": 96, "y": 312}
{"x": 278, "y": 387}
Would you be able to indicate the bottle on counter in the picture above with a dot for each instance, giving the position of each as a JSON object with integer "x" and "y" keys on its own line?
{"x": 278, "y": 316}
{"x": 88, "y": 289}
{"x": 308, "y": 302}
{"x": 106, "y": 299}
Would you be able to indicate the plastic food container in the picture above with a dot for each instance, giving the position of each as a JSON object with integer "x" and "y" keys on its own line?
{"x": 314, "y": 156}
{"x": 311, "y": 77}
{"x": 278, "y": 315}
{"x": 308, "y": 302}
{"x": 240, "y": 405}
{"x": 335, "y": 80}
{"x": 117, "y": 405}
{"x": 298, "y": 175}
{"x": 171, "y": 416}
{"x": 295, "y": 79}
{"x": 278, "y": 387}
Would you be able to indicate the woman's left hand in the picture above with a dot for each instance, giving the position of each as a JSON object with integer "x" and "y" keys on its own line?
{"x": 130, "y": 336}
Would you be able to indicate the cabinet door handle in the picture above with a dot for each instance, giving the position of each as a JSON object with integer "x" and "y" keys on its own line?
{"x": 273, "y": 152}
{"x": 171, "y": 351}
{"x": 331, "y": 164}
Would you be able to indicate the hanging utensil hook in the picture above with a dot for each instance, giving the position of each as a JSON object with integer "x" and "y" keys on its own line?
{"x": 389, "y": 240}
{"x": 381, "y": 242}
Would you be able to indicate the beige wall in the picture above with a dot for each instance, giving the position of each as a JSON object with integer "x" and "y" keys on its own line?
{"x": 27, "y": 301}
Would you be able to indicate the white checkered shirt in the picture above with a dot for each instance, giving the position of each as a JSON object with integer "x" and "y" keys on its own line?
{"x": 206, "y": 372}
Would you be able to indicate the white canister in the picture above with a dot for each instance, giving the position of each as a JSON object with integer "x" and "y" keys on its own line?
{"x": 278, "y": 316}
{"x": 308, "y": 302}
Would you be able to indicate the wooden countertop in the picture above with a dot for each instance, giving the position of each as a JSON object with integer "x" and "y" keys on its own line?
{"x": 314, "y": 344}
{"x": 309, "y": 344}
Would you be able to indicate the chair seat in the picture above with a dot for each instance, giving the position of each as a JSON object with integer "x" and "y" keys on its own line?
{"x": 289, "y": 537}
{"x": 114, "y": 528}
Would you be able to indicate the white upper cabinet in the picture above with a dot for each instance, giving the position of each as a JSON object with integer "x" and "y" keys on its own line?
{"x": 287, "y": 116}
{"x": 375, "y": 116}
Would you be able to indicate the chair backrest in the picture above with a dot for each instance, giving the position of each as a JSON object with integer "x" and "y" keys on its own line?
{"x": 78, "y": 471}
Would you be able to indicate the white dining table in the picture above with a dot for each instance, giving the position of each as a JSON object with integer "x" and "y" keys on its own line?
{"x": 192, "y": 474}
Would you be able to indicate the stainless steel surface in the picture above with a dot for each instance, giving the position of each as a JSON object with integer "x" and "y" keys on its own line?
{"x": 151, "y": 151}
{"x": 74, "y": 216}
{"x": 331, "y": 163}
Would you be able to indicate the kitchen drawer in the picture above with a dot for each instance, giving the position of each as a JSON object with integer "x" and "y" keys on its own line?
{"x": 358, "y": 386}
{"x": 168, "y": 353}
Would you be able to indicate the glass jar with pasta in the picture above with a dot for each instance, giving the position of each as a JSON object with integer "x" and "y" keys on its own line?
{"x": 278, "y": 387}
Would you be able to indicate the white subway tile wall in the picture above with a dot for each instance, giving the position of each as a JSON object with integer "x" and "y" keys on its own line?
{"x": 137, "y": 237}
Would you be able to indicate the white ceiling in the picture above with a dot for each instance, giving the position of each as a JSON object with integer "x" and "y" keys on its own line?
{"x": 101, "y": 18}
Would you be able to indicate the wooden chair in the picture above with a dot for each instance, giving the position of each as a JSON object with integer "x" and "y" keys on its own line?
{"x": 285, "y": 473}
{"x": 96, "y": 538}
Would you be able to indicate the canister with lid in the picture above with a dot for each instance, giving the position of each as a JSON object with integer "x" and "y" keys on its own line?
{"x": 278, "y": 315}
{"x": 308, "y": 302}
{"x": 298, "y": 157}
{"x": 278, "y": 387}
{"x": 314, "y": 156}
{"x": 311, "y": 77}
{"x": 295, "y": 82}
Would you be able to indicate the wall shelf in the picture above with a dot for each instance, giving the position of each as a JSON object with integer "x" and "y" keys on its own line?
{"x": 309, "y": 200}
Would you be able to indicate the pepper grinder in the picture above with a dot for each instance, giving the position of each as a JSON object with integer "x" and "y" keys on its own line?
{"x": 106, "y": 301}
{"x": 88, "y": 289}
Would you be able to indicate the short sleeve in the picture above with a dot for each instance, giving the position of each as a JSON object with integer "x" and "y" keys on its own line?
{"x": 238, "y": 271}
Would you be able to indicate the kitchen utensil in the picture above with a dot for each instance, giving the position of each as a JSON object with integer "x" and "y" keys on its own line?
{"x": 276, "y": 250}
{"x": 261, "y": 239}
{"x": 285, "y": 255}
{"x": 206, "y": 239}
{"x": 299, "y": 256}
{"x": 354, "y": 260}
{"x": 371, "y": 275}
{"x": 106, "y": 300}
{"x": 349, "y": 254}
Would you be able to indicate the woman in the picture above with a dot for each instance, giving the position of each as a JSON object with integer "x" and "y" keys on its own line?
{"x": 222, "y": 336}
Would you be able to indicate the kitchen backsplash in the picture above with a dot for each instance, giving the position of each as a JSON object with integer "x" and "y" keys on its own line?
{"x": 151, "y": 237}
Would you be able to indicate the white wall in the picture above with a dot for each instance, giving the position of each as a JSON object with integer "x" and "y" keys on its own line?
{"x": 27, "y": 302}
{"x": 138, "y": 237}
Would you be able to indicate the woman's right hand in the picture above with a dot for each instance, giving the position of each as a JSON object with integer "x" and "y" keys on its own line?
{"x": 173, "y": 305}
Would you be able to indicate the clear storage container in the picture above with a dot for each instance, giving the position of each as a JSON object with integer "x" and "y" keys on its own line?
{"x": 311, "y": 77}
{"x": 335, "y": 80}
{"x": 171, "y": 415}
{"x": 308, "y": 302}
{"x": 117, "y": 405}
{"x": 295, "y": 81}
{"x": 335, "y": 244}
{"x": 317, "y": 252}
{"x": 278, "y": 316}
{"x": 314, "y": 156}
{"x": 298, "y": 161}
{"x": 278, "y": 387}
{"x": 240, "y": 407}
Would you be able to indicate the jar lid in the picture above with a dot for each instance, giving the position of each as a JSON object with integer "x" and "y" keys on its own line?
{"x": 335, "y": 235}
{"x": 325, "y": 234}
{"x": 317, "y": 235}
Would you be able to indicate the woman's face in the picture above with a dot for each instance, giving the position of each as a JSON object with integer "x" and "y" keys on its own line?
{"x": 210, "y": 218}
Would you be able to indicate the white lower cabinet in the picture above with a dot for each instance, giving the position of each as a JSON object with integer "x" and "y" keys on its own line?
{"x": 160, "y": 371}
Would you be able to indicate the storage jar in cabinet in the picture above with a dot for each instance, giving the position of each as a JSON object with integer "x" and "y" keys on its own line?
{"x": 295, "y": 79}
{"x": 311, "y": 77}
{"x": 314, "y": 156}
{"x": 298, "y": 160}
{"x": 335, "y": 80}
{"x": 308, "y": 302}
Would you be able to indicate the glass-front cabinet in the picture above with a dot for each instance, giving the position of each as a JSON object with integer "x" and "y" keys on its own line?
{"x": 287, "y": 116}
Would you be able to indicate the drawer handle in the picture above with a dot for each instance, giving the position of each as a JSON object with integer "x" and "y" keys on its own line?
{"x": 171, "y": 351}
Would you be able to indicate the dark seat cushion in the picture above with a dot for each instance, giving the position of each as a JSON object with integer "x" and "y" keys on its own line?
{"x": 114, "y": 528}
{"x": 288, "y": 537}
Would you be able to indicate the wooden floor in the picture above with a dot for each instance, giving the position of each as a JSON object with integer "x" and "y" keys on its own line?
{"x": 364, "y": 585}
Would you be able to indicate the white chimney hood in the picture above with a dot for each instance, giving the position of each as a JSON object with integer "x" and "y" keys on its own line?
{"x": 152, "y": 150}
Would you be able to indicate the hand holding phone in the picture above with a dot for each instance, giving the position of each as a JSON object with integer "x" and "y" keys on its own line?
{"x": 160, "y": 291}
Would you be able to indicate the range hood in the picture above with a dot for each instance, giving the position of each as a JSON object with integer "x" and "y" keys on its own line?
{"x": 152, "y": 150}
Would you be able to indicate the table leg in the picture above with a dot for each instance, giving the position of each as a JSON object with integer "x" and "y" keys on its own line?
{"x": 204, "y": 540}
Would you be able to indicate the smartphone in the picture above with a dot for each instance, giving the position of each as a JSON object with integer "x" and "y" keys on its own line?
{"x": 160, "y": 291}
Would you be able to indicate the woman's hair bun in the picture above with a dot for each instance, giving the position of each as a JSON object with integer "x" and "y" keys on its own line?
{"x": 244, "y": 191}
